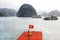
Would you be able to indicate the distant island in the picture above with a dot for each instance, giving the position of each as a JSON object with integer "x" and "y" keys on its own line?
{"x": 51, "y": 13}
{"x": 5, "y": 12}
{"x": 26, "y": 10}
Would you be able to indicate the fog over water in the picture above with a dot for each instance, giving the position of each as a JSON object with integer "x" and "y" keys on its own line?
{"x": 12, "y": 27}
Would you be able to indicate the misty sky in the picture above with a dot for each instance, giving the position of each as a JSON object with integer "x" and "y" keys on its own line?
{"x": 44, "y": 5}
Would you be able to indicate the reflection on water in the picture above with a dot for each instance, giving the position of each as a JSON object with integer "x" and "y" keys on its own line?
{"x": 12, "y": 27}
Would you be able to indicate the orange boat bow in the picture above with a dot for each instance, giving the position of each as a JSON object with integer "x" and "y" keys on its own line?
{"x": 35, "y": 35}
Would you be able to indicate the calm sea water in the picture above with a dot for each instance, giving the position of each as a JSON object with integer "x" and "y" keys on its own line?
{"x": 12, "y": 27}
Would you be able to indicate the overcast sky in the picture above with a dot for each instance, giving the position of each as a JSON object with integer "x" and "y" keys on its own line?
{"x": 45, "y": 5}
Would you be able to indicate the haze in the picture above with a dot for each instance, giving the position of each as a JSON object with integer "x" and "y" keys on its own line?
{"x": 44, "y": 5}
